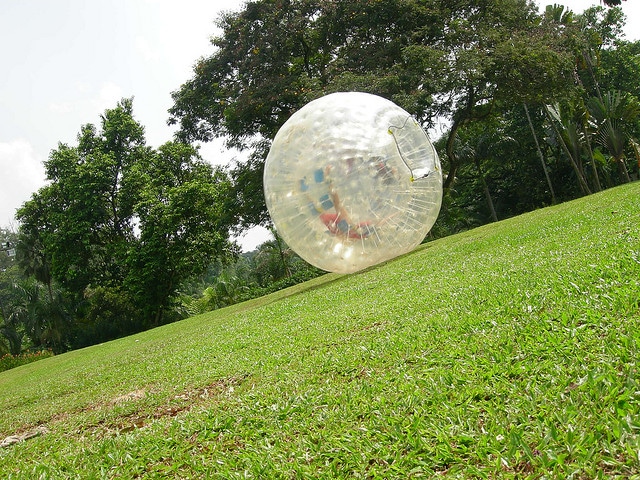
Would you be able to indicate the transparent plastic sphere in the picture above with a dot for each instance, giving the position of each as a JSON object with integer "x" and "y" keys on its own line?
{"x": 352, "y": 180}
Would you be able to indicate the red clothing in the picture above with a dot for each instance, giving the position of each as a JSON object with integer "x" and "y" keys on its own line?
{"x": 339, "y": 226}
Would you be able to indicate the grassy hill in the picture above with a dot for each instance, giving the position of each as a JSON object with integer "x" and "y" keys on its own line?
{"x": 509, "y": 351}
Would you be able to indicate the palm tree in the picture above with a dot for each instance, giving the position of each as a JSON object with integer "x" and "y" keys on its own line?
{"x": 12, "y": 342}
{"x": 480, "y": 151}
{"x": 568, "y": 137}
{"x": 227, "y": 290}
{"x": 582, "y": 120}
{"x": 274, "y": 258}
{"x": 612, "y": 115}
{"x": 26, "y": 310}
{"x": 45, "y": 319}
{"x": 32, "y": 259}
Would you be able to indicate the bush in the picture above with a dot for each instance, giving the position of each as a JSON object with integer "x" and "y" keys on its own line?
{"x": 109, "y": 313}
{"x": 9, "y": 361}
{"x": 298, "y": 277}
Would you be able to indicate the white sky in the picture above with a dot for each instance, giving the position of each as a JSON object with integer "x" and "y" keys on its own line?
{"x": 65, "y": 61}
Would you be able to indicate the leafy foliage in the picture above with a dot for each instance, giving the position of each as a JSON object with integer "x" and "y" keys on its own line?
{"x": 179, "y": 215}
{"x": 12, "y": 361}
{"x": 270, "y": 268}
{"x": 11, "y": 332}
{"x": 116, "y": 230}
{"x": 436, "y": 59}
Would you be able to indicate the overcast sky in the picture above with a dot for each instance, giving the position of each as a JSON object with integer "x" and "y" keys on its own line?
{"x": 64, "y": 62}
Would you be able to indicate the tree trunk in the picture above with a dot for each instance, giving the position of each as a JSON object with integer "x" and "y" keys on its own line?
{"x": 596, "y": 177}
{"x": 281, "y": 253}
{"x": 487, "y": 194}
{"x": 540, "y": 156}
{"x": 636, "y": 150}
{"x": 453, "y": 158}
{"x": 622, "y": 168}
{"x": 158, "y": 317}
{"x": 461, "y": 118}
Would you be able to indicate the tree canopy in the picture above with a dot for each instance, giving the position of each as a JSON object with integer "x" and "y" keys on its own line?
{"x": 118, "y": 216}
{"x": 459, "y": 62}
{"x": 452, "y": 60}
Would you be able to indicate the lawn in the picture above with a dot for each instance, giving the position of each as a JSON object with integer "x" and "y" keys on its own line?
{"x": 509, "y": 351}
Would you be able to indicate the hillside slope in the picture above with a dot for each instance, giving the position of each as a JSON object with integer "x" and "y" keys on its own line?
{"x": 508, "y": 351}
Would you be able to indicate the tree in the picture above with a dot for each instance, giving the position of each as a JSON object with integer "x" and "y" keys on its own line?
{"x": 613, "y": 114}
{"x": 119, "y": 219}
{"x": 540, "y": 154}
{"x": 483, "y": 146}
{"x": 619, "y": 68}
{"x": 273, "y": 260}
{"x": 79, "y": 225}
{"x": 587, "y": 35}
{"x": 45, "y": 319}
{"x": 10, "y": 330}
{"x": 456, "y": 60}
{"x": 181, "y": 226}
{"x": 565, "y": 130}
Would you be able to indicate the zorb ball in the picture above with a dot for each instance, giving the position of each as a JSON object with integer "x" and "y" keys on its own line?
{"x": 351, "y": 180}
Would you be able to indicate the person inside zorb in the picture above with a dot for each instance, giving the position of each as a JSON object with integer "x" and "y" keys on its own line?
{"x": 327, "y": 205}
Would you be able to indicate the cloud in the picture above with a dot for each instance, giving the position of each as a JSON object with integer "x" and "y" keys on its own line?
{"x": 21, "y": 174}
{"x": 108, "y": 96}
{"x": 253, "y": 238}
{"x": 89, "y": 103}
{"x": 148, "y": 52}
{"x": 61, "y": 107}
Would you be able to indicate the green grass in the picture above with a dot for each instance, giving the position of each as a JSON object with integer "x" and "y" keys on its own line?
{"x": 509, "y": 351}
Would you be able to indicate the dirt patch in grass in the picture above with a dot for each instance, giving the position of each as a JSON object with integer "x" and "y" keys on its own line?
{"x": 182, "y": 402}
{"x": 128, "y": 397}
{"x": 177, "y": 404}
{"x": 23, "y": 436}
